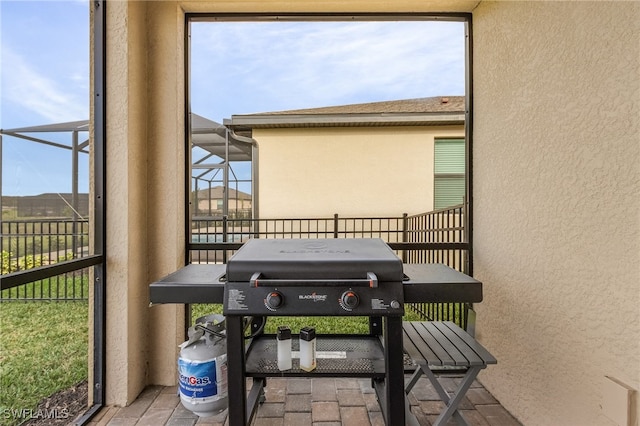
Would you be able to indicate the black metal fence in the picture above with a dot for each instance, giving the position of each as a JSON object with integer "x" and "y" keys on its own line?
{"x": 433, "y": 237}
{"x": 27, "y": 244}
{"x": 443, "y": 229}
{"x": 215, "y": 240}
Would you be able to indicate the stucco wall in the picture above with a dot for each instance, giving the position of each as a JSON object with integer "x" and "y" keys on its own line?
{"x": 126, "y": 206}
{"x": 556, "y": 194}
{"x": 557, "y": 203}
{"x": 350, "y": 171}
{"x": 166, "y": 187}
{"x": 145, "y": 167}
{"x": 145, "y": 194}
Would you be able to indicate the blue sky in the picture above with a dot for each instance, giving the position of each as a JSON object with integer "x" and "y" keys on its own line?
{"x": 44, "y": 65}
{"x": 272, "y": 66}
{"x": 237, "y": 68}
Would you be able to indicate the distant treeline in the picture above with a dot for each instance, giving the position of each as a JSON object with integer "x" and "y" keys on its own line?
{"x": 46, "y": 205}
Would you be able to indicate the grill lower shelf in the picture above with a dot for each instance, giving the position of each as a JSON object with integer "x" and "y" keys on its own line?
{"x": 337, "y": 356}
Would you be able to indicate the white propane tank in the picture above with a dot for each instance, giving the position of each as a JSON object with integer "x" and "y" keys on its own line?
{"x": 202, "y": 367}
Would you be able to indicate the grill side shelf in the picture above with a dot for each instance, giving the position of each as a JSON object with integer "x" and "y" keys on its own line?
{"x": 433, "y": 283}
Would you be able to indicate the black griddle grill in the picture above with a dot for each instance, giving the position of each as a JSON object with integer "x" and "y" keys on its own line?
{"x": 377, "y": 355}
{"x": 314, "y": 277}
{"x": 323, "y": 277}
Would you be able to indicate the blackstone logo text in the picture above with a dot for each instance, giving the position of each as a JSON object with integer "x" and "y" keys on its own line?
{"x": 24, "y": 413}
{"x": 313, "y": 296}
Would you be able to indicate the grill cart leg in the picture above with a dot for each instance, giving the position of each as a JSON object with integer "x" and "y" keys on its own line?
{"x": 394, "y": 367}
{"x": 236, "y": 371}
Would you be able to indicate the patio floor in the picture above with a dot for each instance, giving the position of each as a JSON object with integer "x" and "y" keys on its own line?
{"x": 312, "y": 401}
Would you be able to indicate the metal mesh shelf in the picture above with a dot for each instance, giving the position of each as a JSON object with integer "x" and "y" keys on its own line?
{"x": 337, "y": 356}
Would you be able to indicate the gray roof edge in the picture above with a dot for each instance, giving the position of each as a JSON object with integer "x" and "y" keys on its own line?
{"x": 306, "y": 120}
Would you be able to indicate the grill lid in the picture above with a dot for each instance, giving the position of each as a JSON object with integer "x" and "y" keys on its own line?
{"x": 315, "y": 259}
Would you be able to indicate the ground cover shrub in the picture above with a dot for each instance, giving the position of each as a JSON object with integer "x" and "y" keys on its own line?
{"x": 11, "y": 264}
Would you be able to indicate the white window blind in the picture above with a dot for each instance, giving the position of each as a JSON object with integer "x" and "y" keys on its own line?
{"x": 449, "y": 169}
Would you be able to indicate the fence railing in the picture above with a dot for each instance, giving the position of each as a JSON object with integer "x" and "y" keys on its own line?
{"x": 27, "y": 244}
{"x": 433, "y": 237}
{"x": 443, "y": 228}
{"x": 215, "y": 240}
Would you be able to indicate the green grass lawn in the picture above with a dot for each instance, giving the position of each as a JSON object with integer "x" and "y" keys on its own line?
{"x": 74, "y": 286}
{"x": 43, "y": 348}
{"x": 322, "y": 324}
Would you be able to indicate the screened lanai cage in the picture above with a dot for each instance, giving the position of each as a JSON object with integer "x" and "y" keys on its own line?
{"x": 223, "y": 172}
{"x": 54, "y": 226}
{"x": 220, "y": 159}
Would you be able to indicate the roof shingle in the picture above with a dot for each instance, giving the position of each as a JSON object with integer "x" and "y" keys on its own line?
{"x": 418, "y": 105}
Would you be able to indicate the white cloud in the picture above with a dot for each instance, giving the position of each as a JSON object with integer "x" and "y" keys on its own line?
{"x": 274, "y": 65}
{"x": 29, "y": 88}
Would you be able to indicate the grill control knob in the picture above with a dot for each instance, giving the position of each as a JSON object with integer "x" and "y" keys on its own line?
{"x": 349, "y": 300}
{"x": 274, "y": 300}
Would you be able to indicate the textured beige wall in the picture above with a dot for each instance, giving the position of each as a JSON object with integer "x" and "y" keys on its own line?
{"x": 556, "y": 175}
{"x": 166, "y": 189}
{"x": 350, "y": 171}
{"x": 126, "y": 207}
{"x": 557, "y": 203}
{"x": 145, "y": 166}
{"x": 145, "y": 169}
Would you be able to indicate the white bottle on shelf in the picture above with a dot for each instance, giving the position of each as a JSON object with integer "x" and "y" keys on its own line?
{"x": 284, "y": 348}
{"x": 307, "y": 348}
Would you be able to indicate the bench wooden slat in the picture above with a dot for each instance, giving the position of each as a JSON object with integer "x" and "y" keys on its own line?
{"x": 443, "y": 343}
{"x": 455, "y": 337}
{"x": 430, "y": 351}
{"x": 415, "y": 345}
{"x": 441, "y": 340}
{"x": 480, "y": 350}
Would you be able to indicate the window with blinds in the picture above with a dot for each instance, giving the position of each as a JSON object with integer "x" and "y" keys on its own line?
{"x": 449, "y": 173}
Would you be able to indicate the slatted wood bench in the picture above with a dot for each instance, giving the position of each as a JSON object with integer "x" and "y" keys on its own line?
{"x": 438, "y": 344}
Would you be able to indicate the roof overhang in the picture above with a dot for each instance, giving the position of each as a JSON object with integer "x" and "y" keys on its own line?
{"x": 266, "y": 121}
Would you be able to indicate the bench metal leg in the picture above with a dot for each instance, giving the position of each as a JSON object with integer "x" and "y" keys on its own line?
{"x": 450, "y": 402}
{"x": 414, "y": 379}
{"x": 409, "y": 418}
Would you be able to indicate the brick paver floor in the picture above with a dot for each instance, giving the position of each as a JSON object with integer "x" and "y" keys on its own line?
{"x": 311, "y": 401}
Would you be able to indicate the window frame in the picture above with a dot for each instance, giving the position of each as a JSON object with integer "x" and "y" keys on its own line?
{"x": 438, "y": 176}
{"x": 433, "y": 16}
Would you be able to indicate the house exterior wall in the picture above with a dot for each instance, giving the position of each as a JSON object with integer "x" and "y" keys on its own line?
{"x": 556, "y": 159}
{"x": 352, "y": 171}
{"x": 557, "y": 203}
